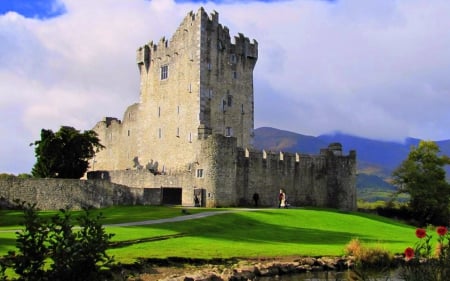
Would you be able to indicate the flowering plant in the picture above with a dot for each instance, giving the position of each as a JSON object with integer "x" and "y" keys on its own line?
{"x": 422, "y": 264}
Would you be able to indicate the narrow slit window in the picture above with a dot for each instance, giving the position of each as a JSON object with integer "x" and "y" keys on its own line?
{"x": 228, "y": 132}
{"x": 229, "y": 100}
{"x": 164, "y": 72}
{"x": 233, "y": 58}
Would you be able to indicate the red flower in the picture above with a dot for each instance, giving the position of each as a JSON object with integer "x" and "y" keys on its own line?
{"x": 409, "y": 253}
{"x": 421, "y": 233}
{"x": 441, "y": 230}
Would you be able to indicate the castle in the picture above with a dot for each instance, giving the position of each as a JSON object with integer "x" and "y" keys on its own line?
{"x": 190, "y": 136}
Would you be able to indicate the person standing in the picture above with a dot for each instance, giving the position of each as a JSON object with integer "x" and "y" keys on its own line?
{"x": 281, "y": 199}
{"x": 255, "y": 199}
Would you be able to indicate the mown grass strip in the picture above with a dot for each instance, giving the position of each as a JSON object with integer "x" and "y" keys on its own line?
{"x": 262, "y": 233}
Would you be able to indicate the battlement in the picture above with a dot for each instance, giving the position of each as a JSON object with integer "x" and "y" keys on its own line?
{"x": 333, "y": 150}
{"x": 200, "y": 20}
{"x": 108, "y": 121}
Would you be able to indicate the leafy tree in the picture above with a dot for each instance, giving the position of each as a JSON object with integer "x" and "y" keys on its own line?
{"x": 422, "y": 176}
{"x": 24, "y": 176}
{"x": 5, "y": 176}
{"x": 64, "y": 154}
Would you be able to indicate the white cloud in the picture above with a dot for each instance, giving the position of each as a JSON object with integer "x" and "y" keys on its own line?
{"x": 374, "y": 68}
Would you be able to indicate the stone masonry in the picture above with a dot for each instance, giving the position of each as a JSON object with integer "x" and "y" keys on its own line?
{"x": 190, "y": 134}
{"x": 193, "y": 85}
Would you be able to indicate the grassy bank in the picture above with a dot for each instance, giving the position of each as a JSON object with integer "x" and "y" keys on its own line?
{"x": 262, "y": 233}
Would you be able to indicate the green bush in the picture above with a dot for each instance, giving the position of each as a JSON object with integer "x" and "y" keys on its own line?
{"x": 57, "y": 250}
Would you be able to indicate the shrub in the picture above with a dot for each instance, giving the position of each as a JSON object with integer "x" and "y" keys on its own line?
{"x": 370, "y": 257}
{"x": 369, "y": 262}
{"x": 54, "y": 250}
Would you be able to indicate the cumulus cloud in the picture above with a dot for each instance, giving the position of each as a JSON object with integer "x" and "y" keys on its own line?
{"x": 374, "y": 68}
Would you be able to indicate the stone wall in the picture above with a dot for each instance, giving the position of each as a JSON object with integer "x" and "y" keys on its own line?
{"x": 54, "y": 194}
{"x": 231, "y": 175}
{"x": 223, "y": 175}
{"x": 324, "y": 180}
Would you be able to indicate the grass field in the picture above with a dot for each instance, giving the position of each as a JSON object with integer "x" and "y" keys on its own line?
{"x": 261, "y": 233}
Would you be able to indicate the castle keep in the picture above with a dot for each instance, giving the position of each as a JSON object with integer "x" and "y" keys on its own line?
{"x": 190, "y": 135}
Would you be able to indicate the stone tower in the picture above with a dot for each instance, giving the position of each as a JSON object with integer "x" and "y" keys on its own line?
{"x": 197, "y": 83}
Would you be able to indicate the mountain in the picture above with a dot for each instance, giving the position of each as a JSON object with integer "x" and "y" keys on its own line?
{"x": 376, "y": 159}
{"x": 279, "y": 140}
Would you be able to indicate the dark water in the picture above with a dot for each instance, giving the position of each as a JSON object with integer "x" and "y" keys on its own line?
{"x": 336, "y": 276}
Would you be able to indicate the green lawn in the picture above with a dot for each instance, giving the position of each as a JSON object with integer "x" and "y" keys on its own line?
{"x": 266, "y": 232}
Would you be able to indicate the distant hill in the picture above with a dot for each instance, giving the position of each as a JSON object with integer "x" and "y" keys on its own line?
{"x": 376, "y": 159}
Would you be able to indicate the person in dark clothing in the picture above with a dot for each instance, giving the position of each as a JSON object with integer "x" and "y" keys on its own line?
{"x": 196, "y": 201}
{"x": 255, "y": 199}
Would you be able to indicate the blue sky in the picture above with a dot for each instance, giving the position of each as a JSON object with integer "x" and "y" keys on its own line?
{"x": 42, "y": 9}
{"x": 374, "y": 68}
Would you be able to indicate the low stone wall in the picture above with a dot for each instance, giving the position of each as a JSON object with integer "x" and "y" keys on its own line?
{"x": 53, "y": 194}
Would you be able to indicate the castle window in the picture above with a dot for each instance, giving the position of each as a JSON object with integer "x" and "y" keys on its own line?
{"x": 224, "y": 105}
{"x": 190, "y": 137}
{"x": 199, "y": 173}
{"x": 178, "y": 132}
{"x": 128, "y": 132}
{"x": 234, "y": 75}
{"x": 178, "y": 110}
{"x": 190, "y": 88}
{"x": 164, "y": 72}
{"x": 209, "y": 66}
{"x": 159, "y": 111}
{"x": 233, "y": 58}
{"x": 159, "y": 133}
{"x": 228, "y": 132}
{"x": 229, "y": 100}
{"x": 210, "y": 93}
{"x": 242, "y": 108}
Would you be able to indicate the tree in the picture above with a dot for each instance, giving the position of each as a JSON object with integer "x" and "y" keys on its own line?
{"x": 422, "y": 176}
{"x": 64, "y": 154}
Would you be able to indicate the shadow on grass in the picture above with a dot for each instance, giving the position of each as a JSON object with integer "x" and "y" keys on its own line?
{"x": 6, "y": 244}
{"x": 240, "y": 227}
